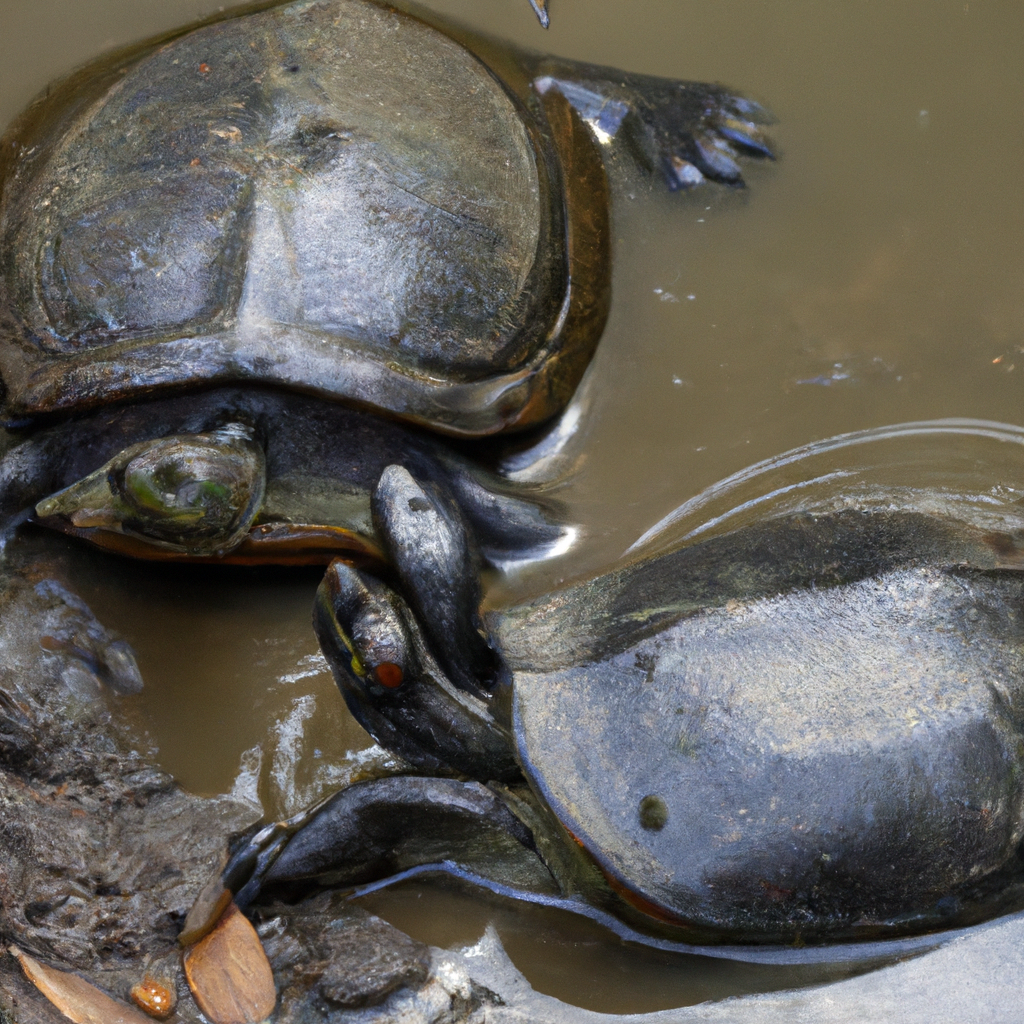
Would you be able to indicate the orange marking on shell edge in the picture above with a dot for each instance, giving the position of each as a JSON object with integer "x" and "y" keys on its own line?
{"x": 644, "y": 905}
{"x": 576, "y": 839}
{"x": 633, "y": 898}
{"x": 388, "y": 674}
{"x": 266, "y": 544}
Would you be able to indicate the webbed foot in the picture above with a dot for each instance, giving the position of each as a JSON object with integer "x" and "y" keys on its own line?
{"x": 689, "y": 130}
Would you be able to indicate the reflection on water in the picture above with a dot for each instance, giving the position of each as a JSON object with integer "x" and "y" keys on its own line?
{"x": 228, "y": 658}
{"x": 874, "y": 275}
{"x": 970, "y": 469}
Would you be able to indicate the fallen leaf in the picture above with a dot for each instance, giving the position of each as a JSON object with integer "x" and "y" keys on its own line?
{"x": 229, "y": 972}
{"x": 76, "y": 998}
{"x": 207, "y": 910}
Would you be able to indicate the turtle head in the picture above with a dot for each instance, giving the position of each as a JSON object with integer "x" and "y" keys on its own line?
{"x": 396, "y": 689}
{"x": 192, "y": 494}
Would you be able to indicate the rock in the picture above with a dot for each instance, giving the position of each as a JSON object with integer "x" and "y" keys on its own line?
{"x": 339, "y": 953}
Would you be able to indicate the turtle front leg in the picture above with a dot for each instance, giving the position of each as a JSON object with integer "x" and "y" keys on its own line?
{"x": 688, "y": 130}
{"x": 377, "y": 831}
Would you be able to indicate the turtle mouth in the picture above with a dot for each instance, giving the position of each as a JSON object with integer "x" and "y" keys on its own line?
{"x": 282, "y": 544}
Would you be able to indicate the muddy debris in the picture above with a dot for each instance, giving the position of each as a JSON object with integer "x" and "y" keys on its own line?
{"x": 102, "y": 853}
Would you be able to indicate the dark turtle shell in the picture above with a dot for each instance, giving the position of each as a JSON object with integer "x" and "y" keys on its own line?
{"x": 329, "y": 195}
{"x": 809, "y": 728}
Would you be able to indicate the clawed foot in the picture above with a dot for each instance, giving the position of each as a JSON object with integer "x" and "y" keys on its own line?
{"x": 690, "y": 130}
{"x": 540, "y": 8}
{"x": 700, "y": 131}
{"x": 243, "y": 875}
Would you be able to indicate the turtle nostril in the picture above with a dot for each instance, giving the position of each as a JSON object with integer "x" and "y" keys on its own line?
{"x": 389, "y": 675}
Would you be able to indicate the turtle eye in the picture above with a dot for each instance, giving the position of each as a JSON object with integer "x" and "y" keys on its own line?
{"x": 362, "y": 635}
{"x": 379, "y": 640}
{"x": 389, "y": 675}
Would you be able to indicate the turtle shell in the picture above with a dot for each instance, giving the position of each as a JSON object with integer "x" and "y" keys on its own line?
{"x": 833, "y": 760}
{"x": 329, "y": 195}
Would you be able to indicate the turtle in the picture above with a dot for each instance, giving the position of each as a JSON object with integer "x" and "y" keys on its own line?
{"x": 337, "y": 197}
{"x": 805, "y": 730}
{"x": 254, "y": 476}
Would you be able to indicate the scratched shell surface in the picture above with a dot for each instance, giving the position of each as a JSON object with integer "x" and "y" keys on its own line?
{"x": 330, "y": 195}
{"x": 823, "y": 758}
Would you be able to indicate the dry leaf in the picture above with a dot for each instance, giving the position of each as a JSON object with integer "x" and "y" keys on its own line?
{"x": 229, "y": 973}
{"x": 75, "y": 997}
{"x": 207, "y": 910}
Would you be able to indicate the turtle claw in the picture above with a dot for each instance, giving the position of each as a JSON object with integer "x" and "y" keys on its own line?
{"x": 716, "y": 160}
{"x": 540, "y": 8}
{"x": 750, "y": 110}
{"x": 702, "y": 133}
{"x": 746, "y": 135}
{"x": 680, "y": 173}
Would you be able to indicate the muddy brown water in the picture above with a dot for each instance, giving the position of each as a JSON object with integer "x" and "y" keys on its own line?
{"x": 874, "y": 275}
